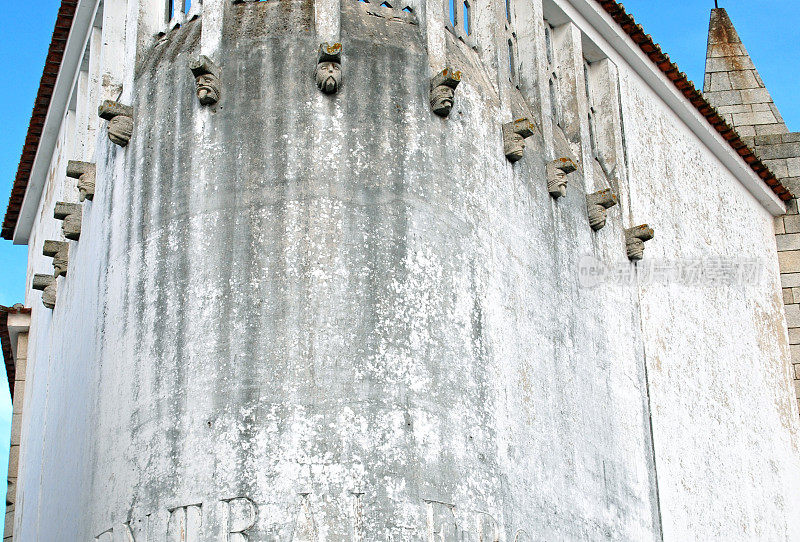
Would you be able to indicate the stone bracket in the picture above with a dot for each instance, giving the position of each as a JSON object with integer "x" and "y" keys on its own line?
{"x": 70, "y": 213}
{"x": 206, "y": 75}
{"x": 120, "y": 117}
{"x": 634, "y": 241}
{"x": 85, "y": 172}
{"x": 557, "y": 172}
{"x": 514, "y": 134}
{"x": 59, "y": 251}
{"x": 328, "y": 73}
{"x": 47, "y": 284}
{"x": 443, "y": 86}
{"x": 597, "y": 204}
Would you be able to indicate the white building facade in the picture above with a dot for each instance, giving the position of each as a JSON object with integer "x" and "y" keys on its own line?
{"x": 308, "y": 299}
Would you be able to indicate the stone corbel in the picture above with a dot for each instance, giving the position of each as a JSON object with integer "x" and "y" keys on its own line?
{"x": 59, "y": 251}
{"x": 443, "y": 87}
{"x": 206, "y": 77}
{"x": 47, "y": 284}
{"x": 70, "y": 213}
{"x": 328, "y": 74}
{"x": 85, "y": 172}
{"x": 597, "y": 204}
{"x": 514, "y": 134}
{"x": 557, "y": 172}
{"x": 634, "y": 241}
{"x": 120, "y": 125}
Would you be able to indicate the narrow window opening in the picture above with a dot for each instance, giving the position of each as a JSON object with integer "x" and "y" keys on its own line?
{"x": 586, "y": 80}
{"x": 467, "y": 25}
{"x": 511, "y": 70}
{"x": 170, "y": 10}
{"x": 548, "y": 39}
{"x": 554, "y": 103}
{"x": 508, "y": 10}
{"x": 453, "y": 13}
{"x": 592, "y": 136}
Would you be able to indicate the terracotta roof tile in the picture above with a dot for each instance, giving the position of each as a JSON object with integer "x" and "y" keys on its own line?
{"x": 695, "y": 97}
{"x": 53, "y": 63}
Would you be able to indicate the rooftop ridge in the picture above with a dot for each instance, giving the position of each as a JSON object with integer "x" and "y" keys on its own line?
{"x": 695, "y": 97}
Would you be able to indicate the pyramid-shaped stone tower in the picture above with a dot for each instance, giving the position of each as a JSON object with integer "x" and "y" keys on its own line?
{"x": 734, "y": 87}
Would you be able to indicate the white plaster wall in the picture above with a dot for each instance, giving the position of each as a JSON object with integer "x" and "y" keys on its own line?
{"x": 239, "y": 321}
{"x": 724, "y": 420}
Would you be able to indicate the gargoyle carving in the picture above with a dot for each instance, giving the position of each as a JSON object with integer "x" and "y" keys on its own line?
{"x": 329, "y": 68}
{"x": 514, "y": 134}
{"x": 59, "y": 251}
{"x": 120, "y": 125}
{"x": 597, "y": 204}
{"x": 70, "y": 213}
{"x": 443, "y": 87}
{"x": 47, "y": 284}
{"x": 85, "y": 172}
{"x": 634, "y": 241}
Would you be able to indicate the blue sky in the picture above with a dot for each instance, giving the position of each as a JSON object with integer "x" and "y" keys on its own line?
{"x": 766, "y": 28}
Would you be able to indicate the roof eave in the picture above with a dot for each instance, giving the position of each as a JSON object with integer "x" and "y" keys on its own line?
{"x": 60, "y": 73}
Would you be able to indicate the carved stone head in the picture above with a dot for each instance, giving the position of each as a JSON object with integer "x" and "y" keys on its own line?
{"x": 70, "y": 213}
{"x": 514, "y": 134}
{"x": 634, "y": 241}
{"x": 328, "y": 74}
{"x": 596, "y": 205}
{"x": 120, "y": 117}
{"x": 120, "y": 129}
{"x": 557, "y": 172}
{"x": 206, "y": 77}
{"x": 85, "y": 173}
{"x": 443, "y": 87}
{"x": 46, "y": 283}
{"x": 59, "y": 251}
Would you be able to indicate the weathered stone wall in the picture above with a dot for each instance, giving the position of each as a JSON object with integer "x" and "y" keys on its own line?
{"x": 304, "y": 317}
{"x": 734, "y": 86}
{"x": 20, "y": 365}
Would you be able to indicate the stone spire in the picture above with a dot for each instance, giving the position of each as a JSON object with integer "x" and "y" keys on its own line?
{"x": 733, "y": 85}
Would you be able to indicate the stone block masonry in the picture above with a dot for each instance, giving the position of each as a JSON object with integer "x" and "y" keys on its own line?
{"x": 734, "y": 87}
{"x": 787, "y": 237}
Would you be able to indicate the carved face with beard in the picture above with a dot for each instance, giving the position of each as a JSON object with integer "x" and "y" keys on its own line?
{"x": 442, "y": 100}
{"x": 514, "y": 147}
{"x": 207, "y": 88}
{"x": 557, "y": 184}
{"x": 329, "y": 77}
{"x": 443, "y": 86}
{"x": 514, "y": 134}
{"x": 120, "y": 129}
{"x": 557, "y": 172}
{"x": 60, "y": 263}
{"x": 86, "y": 186}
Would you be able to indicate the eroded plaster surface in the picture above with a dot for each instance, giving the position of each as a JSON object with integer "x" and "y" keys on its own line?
{"x": 307, "y": 317}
